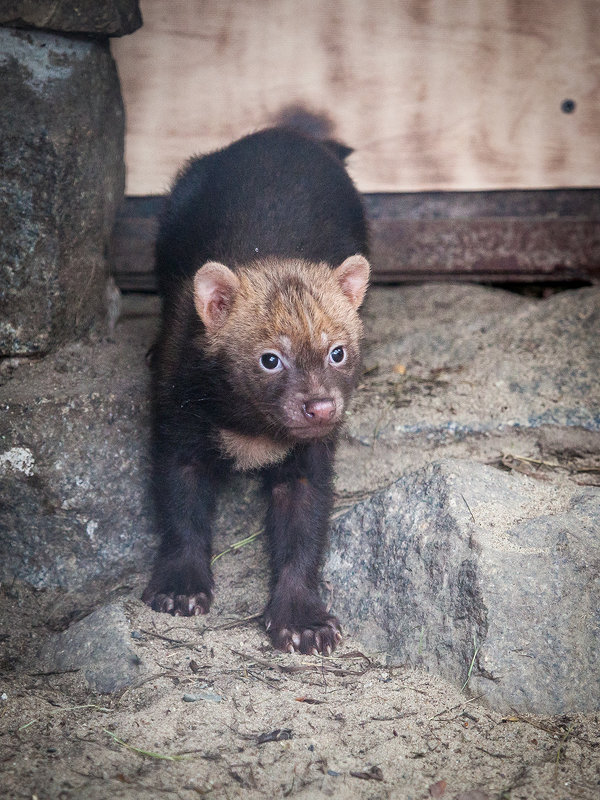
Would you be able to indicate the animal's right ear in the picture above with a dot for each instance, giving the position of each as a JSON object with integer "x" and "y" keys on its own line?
{"x": 215, "y": 286}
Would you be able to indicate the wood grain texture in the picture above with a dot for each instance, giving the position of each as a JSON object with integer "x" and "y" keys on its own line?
{"x": 432, "y": 94}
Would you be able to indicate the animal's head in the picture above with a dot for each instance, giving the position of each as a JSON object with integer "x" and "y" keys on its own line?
{"x": 288, "y": 334}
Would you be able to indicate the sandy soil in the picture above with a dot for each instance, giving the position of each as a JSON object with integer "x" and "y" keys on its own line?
{"x": 262, "y": 724}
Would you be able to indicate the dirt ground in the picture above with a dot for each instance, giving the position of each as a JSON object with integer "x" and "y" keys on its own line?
{"x": 218, "y": 714}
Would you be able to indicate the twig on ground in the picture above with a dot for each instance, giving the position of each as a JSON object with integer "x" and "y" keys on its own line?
{"x": 563, "y": 741}
{"x": 53, "y": 672}
{"x": 148, "y": 753}
{"x": 68, "y": 708}
{"x": 453, "y": 708}
{"x": 237, "y": 545}
{"x": 318, "y": 665}
{"x": 169, "y": 639}
{"x": 468, "y": 507}
{"x": 476, "y": 646}
{"x": 235, "y": 622}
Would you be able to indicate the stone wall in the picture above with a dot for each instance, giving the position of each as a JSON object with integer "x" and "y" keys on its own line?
{"x": 62, "y": 175}
{"x": 105, "y": 18}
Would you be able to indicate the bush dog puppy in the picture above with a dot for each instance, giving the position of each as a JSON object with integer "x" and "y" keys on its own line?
{"x": 261, "y": 269}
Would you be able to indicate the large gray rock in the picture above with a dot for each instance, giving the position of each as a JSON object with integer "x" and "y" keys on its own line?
{"x": 466, "y": 371}
{"x": 104, "y": 18}
{"x": 100, "y": 646}
{"x": 73, "y": 434}
{"x": 459, "y": 564}
{"x": 62, "y": 176}
{"x": 502, "y": 362}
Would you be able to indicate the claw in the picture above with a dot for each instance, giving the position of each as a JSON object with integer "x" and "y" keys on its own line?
{"x": 308, "y": 637}
{"x": 179, "y": 605}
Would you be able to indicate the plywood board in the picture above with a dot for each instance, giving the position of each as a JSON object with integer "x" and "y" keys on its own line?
{"x": 432, "y": 94}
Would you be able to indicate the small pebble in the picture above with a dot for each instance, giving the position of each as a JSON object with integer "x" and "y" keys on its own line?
{"x": 211, "y": 697}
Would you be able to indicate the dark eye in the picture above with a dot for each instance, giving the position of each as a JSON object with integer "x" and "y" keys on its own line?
{"x": 270, "y": 361}
{"x": 337, "y": 355}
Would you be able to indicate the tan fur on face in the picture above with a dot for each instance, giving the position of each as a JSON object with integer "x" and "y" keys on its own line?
{"x": 299, "y": 310}
{"x": 295, "y": 299}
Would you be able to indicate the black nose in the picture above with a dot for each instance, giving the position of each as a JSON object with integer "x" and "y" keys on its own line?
{"x": 321, "y": 410}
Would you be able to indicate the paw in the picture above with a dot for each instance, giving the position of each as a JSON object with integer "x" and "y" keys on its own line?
{"x": 179, "y": 587}
{"x": 321, "y": 637}
{"x": 180, "y": 605}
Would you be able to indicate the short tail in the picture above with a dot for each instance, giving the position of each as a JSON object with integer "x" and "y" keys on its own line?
{"x": 314, "y": 125}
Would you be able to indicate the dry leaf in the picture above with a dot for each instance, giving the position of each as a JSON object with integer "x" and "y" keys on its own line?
{"x": 278, "y": 735}
{"x": 309, "y": 700}
{"x": 437, "y": 789}
{"x": 374, "y": 774}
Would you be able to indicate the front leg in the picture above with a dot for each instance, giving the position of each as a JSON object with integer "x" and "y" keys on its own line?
{"x": 184, "y": 492}
{"x": 300, "y": 499}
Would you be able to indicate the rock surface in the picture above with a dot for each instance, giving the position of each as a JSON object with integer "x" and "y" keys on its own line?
{"x": 105, "y": 18}
{"x": 73, "y": 462}
{"x": 459, "y": 564}
{"x": 469, "y": 372}
{"x": 63, "y": 178}
{"x": 100, "y": 646}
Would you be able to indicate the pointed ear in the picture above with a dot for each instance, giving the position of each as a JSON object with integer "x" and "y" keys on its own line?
{"x": 215, "y": 286}
{"x": 353, "y": 278}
